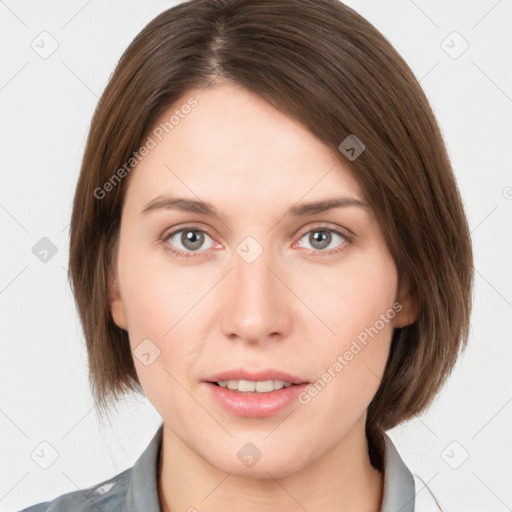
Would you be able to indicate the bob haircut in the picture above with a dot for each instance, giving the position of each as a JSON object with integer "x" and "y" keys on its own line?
{"x": 322, "y": 64}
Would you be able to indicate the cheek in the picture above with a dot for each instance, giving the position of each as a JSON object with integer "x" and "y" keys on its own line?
{"x": 157, "y": 317}
{"x": 163, "y": 305}
{"x": 352, "y": 297}
{"x": 156, "y": 294}
{"x": 357, "y": 307}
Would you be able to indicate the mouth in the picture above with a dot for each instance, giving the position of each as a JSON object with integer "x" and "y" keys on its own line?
{"x": 255, "y": 395}
{"x": 249, "y": 386}
{"x": 261, "y": 381}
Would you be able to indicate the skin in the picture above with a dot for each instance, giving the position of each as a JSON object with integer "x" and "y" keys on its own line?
{"x": 295, "y": 308}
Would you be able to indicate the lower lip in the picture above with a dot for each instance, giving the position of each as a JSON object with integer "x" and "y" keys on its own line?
{"x": 255, "y": 405}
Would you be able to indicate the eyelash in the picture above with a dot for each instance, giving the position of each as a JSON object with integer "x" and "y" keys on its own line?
{"x": 182, "y": 254}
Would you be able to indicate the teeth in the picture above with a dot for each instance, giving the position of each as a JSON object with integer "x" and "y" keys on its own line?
{"x": 261, "y": 386}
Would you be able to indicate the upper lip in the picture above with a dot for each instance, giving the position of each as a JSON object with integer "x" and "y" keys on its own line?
{"x": 260, "y": 375}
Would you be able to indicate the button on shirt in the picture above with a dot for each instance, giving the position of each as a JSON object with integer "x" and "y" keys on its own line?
{"x": 135, "y": 489}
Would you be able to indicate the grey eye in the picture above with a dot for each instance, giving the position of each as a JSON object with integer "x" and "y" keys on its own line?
{"x": 190, "y": 239}
{"x": 320, "y": 239}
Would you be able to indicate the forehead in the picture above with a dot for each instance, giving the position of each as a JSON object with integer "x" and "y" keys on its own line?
{"x": 235, "y": 146}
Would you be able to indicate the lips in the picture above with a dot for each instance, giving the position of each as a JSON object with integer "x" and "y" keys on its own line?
{"x": 260, "y": 375}
{"x": 254, "y": 405}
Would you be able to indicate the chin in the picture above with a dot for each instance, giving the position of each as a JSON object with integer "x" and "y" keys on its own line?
{"x": 250, "y": 459}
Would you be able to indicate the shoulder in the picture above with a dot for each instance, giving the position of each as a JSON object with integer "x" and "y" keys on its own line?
{"x": 105, "y": 496}
{"x": 425, "y": 500}
{"x": 136, "y": 486}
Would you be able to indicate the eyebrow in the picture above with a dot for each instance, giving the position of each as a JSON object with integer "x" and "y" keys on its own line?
{"x": 208, "y": 210}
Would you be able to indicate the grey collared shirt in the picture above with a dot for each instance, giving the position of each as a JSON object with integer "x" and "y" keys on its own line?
{"x": 135, "y": 489}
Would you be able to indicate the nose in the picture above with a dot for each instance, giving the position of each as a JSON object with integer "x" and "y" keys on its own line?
{"x": 255, "y": 304}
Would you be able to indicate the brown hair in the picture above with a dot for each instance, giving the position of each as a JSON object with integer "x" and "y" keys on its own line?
{"x": 321, "y": 63}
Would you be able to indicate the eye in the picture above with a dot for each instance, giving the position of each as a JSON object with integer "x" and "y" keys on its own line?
{"x": 186, "y": 241}
{"x": 322, "y": 237}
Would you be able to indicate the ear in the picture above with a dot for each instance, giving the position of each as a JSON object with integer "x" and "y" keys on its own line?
{"x": 116, "y": 303}
{"x": 409, "y": 312}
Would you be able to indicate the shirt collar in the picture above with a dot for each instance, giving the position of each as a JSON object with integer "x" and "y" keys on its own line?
{"x": 142, "y": 494}
{"x": 399, "y": 490}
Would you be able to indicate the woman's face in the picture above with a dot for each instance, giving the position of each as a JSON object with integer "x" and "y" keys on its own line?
{"x": 311, "y": 293}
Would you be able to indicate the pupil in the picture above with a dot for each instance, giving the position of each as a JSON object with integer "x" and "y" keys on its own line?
{"x": 192, "y": 239}
{"x": 322, "y": 237}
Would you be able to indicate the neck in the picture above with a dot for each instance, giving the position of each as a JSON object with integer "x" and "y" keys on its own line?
{"x": 341, "y": 479}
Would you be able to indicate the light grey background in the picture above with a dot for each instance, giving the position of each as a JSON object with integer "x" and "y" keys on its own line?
{"x": 46, "y": 105}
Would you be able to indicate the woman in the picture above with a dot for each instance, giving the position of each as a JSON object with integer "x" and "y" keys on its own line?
{"x": 268, "y": 241}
